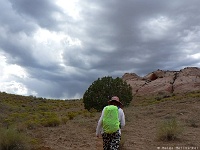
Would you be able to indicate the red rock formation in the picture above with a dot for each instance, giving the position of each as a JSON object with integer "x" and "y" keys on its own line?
{"x": 164, "y": 82}
{"x": 187, "y": 80}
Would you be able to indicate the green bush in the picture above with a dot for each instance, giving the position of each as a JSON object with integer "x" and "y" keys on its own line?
{"x": 96, "y": 96}
{"x": 51, "y": 122}
{"x": 11, "y": 139}
{"x": 64, "y": 120}
{"x": 71, "y": 115}
{"x": 169, "y": 130}
{"x": 31, "y": 124}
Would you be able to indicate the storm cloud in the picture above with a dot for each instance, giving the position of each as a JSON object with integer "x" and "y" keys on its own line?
{"x": 56, "y": 49}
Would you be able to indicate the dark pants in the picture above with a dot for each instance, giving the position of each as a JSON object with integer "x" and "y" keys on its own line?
{"x": 111, "y": 141}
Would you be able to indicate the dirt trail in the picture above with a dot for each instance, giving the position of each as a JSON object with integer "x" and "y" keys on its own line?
{"x": 139, "y": 133}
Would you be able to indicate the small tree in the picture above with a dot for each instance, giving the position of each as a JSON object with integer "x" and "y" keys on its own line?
{"x": 97, "y": 94}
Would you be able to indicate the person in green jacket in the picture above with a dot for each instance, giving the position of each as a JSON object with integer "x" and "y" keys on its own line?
{"x": 110, "y": 123}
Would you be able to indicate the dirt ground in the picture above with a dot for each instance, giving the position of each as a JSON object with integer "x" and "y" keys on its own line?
{"x": 139, "y": 133}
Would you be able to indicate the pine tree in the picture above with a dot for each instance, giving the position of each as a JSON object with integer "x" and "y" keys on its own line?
{"x": 96, "y": 96}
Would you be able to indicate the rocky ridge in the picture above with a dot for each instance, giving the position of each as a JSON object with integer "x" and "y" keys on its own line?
{"x": 164, "y": 82}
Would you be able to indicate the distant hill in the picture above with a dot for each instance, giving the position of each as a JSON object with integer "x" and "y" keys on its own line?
{"x": 33, "y": 111}
{"x": 166, "y": 83}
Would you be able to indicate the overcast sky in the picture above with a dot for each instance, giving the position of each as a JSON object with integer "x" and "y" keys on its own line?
{"x": 57, "y": 48}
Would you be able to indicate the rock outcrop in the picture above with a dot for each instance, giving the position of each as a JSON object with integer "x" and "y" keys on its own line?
{"x": 164, "y": 82}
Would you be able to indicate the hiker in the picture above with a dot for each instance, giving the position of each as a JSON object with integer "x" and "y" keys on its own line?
{"x": 110, "y": 127}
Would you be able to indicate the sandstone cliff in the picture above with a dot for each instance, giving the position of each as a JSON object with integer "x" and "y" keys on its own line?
{"x": 164, "y": 82}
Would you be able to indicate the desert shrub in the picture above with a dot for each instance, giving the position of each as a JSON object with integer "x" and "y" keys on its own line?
{"x": 51, "y": 122}
{"x": 43, "y": 108}
{"x": 71, "y": 115}
{"x": 169, "y": 130}
{"x": 91, "y": 113}
{"x": 31, "y": 124}
{"x": 11, "y": 139}
{"x": 96, "y": 96}
{"x": 64, "y": 120}
{"x": 50, "y": 119}
{"x": 86, "y": 114}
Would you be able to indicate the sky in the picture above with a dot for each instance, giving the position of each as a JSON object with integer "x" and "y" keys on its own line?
{"x": 58, "y": 48}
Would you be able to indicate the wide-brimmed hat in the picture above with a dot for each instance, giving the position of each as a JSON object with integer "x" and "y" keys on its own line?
{"x": 116, "y": 99}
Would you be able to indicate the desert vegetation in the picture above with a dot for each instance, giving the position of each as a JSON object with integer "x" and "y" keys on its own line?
{"x": 169, "y": 130}
{"x": 12, "y": 139}
{"x": 101, "y": 90}
{"x": 18, "y": 114}
{"x": 39, "y": 123}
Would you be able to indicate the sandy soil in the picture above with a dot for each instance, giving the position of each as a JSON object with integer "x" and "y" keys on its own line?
{"x": 139, "y": 133}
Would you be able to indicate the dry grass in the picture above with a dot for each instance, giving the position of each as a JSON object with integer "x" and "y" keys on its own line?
{"x": 169, "y": 130}
{"x": 69, "y": 126}
{"x": 11, "y": 139}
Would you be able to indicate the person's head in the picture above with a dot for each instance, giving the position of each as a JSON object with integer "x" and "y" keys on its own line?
{"x": 115, "y": 101}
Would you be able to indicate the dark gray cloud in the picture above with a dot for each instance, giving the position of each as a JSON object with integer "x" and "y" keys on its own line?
{"x": 41, "y": 12}
{"x": 61, "y": 54}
